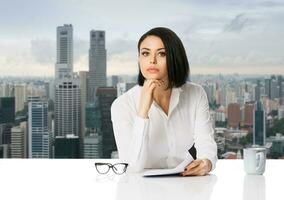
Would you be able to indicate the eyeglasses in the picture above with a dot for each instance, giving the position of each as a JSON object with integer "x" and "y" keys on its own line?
{"x": 118, "y": 168}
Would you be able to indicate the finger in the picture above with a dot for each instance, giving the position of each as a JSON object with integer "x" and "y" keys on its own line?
{"x": 150, "y": 81}
{"x": 193, "y": 168}
{"x": 153, "y": 86}
{"x": 156, "y": 83}
{"x": 196, "y": 171}
{"x": 153, "y": 83}
{"x": 199, "y": 170}
{"x": 193, "y": 164}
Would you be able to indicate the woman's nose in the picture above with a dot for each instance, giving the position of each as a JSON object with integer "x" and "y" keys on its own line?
{"x": 153, "y": 59}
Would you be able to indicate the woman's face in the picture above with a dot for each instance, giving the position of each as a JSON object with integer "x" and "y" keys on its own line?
{"x": 152, "y": 58}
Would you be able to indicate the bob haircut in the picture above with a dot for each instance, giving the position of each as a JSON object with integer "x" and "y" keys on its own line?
{"x": 176, "y": 59}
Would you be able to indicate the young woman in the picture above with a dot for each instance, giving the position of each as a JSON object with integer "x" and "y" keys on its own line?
{"x": 157, "y": 121}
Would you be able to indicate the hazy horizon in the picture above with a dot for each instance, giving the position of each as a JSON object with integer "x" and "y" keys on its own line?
{"x": 224, "y": 36}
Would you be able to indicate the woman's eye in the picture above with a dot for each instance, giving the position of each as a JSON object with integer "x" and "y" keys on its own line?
{"x": 162, "y": 54}
{"x": 145, "y": 53}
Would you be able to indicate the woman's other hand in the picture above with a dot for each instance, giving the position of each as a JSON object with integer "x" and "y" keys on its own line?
{"x": 146, "y": 97}
{"x": 198, "y": 167}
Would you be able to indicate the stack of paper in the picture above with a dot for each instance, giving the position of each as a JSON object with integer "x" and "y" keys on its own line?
{"x": 178, "y": 169}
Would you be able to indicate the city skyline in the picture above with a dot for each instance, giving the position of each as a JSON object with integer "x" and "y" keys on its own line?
{"x": 231, "y": 100}
{"x": 225, "y": 37}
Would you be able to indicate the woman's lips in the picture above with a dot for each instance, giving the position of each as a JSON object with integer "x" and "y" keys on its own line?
{"x": 153, "y": 70}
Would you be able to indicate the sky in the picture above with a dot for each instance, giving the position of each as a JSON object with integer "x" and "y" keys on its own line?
{"x": 220, "y": 36}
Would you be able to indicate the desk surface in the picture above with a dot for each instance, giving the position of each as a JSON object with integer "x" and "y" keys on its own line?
{"x": 78, "y": 179}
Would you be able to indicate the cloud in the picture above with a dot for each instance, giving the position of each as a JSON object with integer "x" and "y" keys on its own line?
{"x": 123, "y": 63}
{"x": 43, "y": 51}
{"x": 271, "y": 4}
{"x": 120, "y": 46}
{"x": 237, "y": 24}
{"x": 81, "y": 49}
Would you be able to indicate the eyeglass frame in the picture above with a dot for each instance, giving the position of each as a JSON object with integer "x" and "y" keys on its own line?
{"x": 111, "y": 166}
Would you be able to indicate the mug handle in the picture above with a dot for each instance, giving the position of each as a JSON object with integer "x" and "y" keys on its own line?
{"x": 261, "y": 161}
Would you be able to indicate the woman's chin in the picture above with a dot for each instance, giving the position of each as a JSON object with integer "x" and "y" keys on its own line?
{"x": 153, "y": 76}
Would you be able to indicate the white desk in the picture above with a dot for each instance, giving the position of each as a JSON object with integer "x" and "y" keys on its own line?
{"x": 78, "y": 179}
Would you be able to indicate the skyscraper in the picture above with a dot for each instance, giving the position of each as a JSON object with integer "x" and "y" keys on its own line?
{"x": 5, "y": 90}
{"x": 93, "y": 138}
{"x": 39, "y": 135}
{"x": 20, "y": 92}
{"x": 64, "y": 53}
{"x": 249, "y": 108}
{"x": 259, "y": 124}
{"x": 234, "y": 115}
{"x": 93, "y": 146}
{"x": 106, "y": 95}
{"x": 114, "y": 80}
{"x": 257, "y": 91}
{"x": 280, "y": 81}
{"x": 267, "y": 87}
{"x": 67, "y": 86}
{"x": 19, "y": 141}
{"x": 67, "y": 146}
{"x": 282, "y": 93}
{"x": 7, "y": 110}
{"x": 274, "y": 89}
{"x": 97, "y": 63}
{"x": 83, "y": 75}
{"x": 67, "y": 106}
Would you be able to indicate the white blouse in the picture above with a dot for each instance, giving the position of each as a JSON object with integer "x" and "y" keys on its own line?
{"x": 162, "y": 141}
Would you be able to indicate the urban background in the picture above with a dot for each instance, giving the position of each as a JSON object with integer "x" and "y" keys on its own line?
{"x": 67, "y": 114}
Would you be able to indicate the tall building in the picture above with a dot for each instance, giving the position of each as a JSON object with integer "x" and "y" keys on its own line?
{"x": 5, "y": 90}
{"x": 280, "y": 81}
{"x": 39, "y": 136}
{"x": 46, "y": 89}
{"x": 7, "y": 110}
{"x": 114, "y": 80}
{"x": 4, "y": 151}
{"x": 97, "y": 63}
{"x": 93, "y": 139}
{"x": 19, "y": 141}
{"x": 123, "y": 87}
{"x": 274, "y": 89}
{"x": 281, "y": 112}
{"x": 106, "y": 95}
{"x": 259, "y": 124}
{"x": 67, "y": 106}
{"x": 267, "y": 87}
{"x": 64, "y": 52}
{"x": 20, "y": 92}
{"x": 223, "y": 99}
{"x": 67, "y": 146}
{"x": 93, "y": 118}
{"x": 83, "y": 76}
{"x": 234, "y": 115}
{"x": 93, "y": 146}
{"x": 210, "y": 91}
{"x": 257, "y": 91}
{"x": 282, "y": 93}
{"x": 231, "y": 96}
{"x": 249, "y": 109}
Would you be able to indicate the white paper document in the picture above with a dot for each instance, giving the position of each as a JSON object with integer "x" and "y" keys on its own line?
{"x": 178, "y": 169}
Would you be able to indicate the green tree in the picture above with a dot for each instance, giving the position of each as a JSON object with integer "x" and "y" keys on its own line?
{"x": 277, "y": 127}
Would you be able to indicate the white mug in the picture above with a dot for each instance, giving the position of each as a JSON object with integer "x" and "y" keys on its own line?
{"x": 254, "y": 160}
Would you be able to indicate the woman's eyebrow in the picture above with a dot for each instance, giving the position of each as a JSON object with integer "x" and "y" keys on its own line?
{"x": 149, "y": 49}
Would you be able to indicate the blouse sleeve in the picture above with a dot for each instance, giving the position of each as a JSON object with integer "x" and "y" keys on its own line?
{"x": 206, "y": 146}
{"x": 131, "y": 135}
